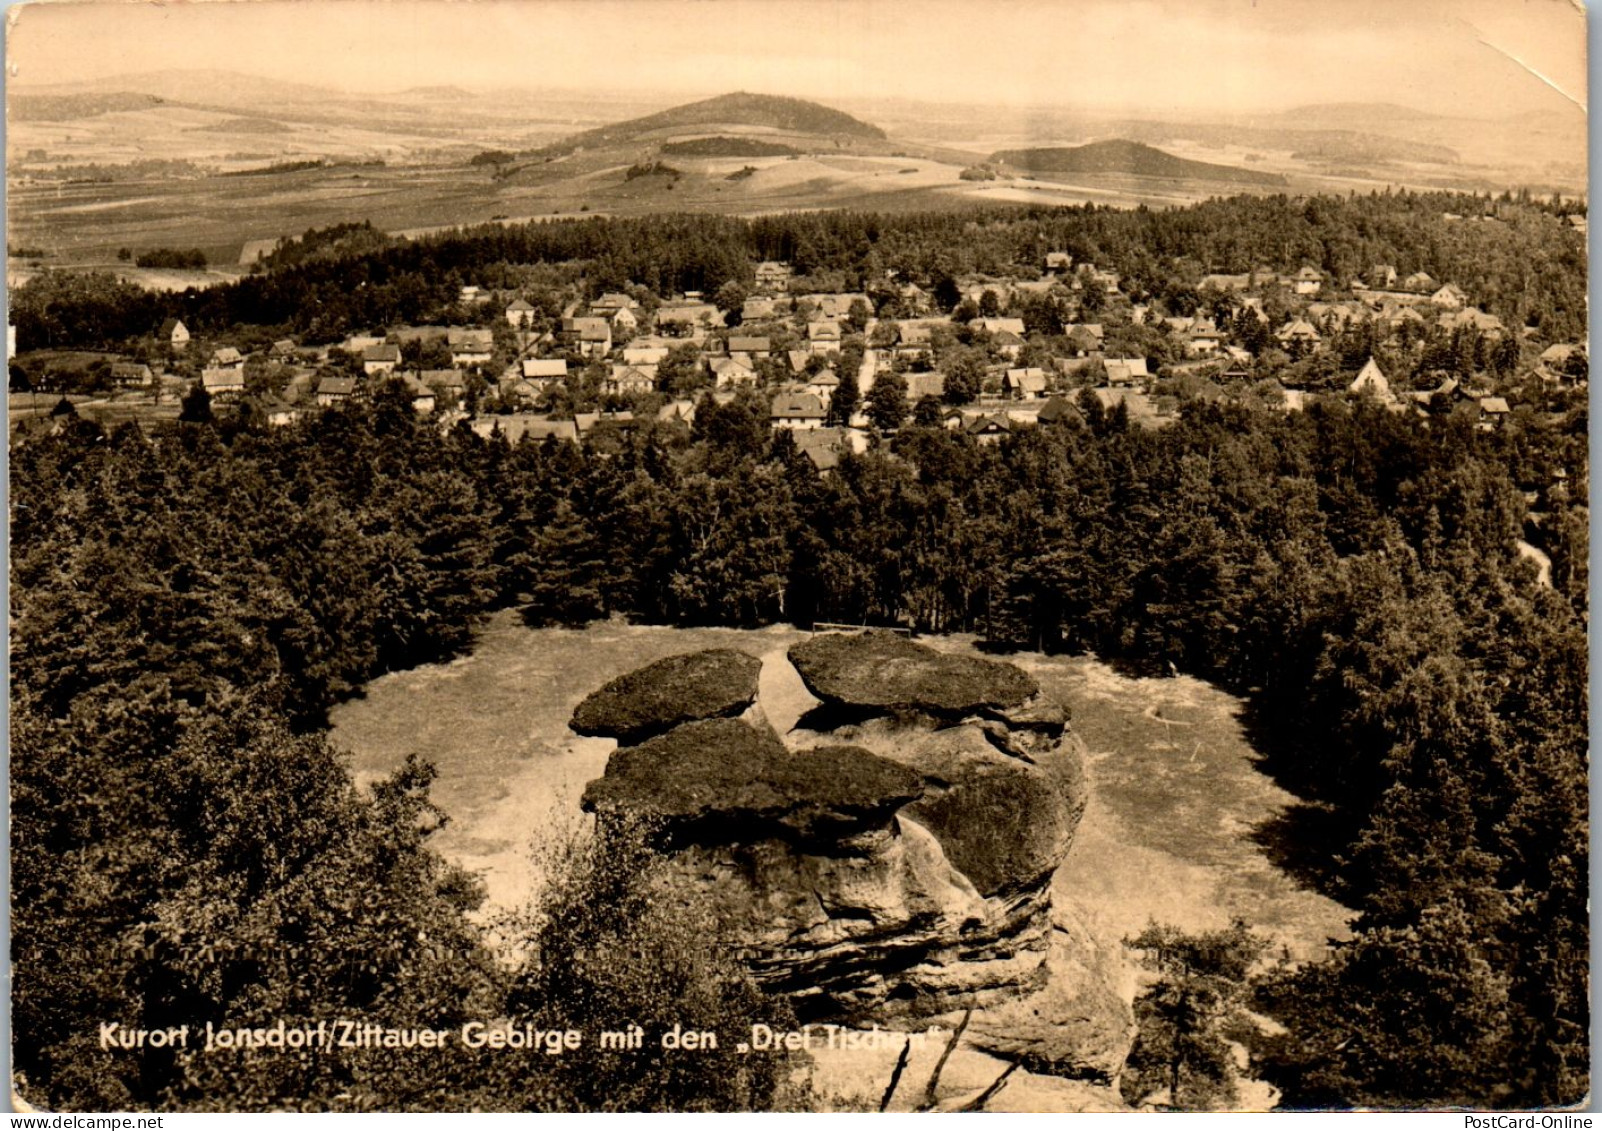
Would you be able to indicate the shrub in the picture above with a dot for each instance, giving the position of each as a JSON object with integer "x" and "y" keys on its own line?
{"x": 613, "y": 942}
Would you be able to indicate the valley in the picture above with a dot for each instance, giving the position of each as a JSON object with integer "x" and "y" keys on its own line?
{"x": 228, "y": 167}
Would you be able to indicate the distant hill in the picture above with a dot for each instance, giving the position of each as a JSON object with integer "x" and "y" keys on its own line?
{"x": 1129, "y": 157}
{"x": 197, "y": 86}
{"x": 1351, "y": 115}
{"x": 766, "y": 111}
{"x": 726, "y": 147}
{"x": 437, "y": 94}
{"x": 67, "y": 107}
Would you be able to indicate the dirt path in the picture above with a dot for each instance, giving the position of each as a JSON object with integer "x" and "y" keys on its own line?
{"x": 1543, "y": 564}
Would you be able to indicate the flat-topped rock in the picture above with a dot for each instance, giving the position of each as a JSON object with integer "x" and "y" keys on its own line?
{"x": 883, "y": 672}
{"x": 1004, "y": 823}
{"x": 717, "y": 683}
{"x": 723, "y": 781}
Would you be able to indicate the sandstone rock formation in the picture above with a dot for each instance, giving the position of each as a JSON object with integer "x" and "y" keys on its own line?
{"x": 722, "y": 780}
{"x": 1077, "y": 1025}
{"x": 880, "y": 671}
{"x": 716, "y": 683}
{"x": 892, "y": 856}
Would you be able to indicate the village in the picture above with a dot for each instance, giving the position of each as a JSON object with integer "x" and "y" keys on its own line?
{"x": 838, "y": 370}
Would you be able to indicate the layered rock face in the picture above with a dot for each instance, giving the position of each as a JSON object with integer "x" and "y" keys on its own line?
{"x": 890, "y": 856}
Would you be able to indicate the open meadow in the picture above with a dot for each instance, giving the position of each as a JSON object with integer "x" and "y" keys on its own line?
{"x": 1177, "y": 808}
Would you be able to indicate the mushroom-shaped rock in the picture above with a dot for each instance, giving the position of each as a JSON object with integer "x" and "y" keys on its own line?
{"x": 723, "y": 782}
{"x": 1005, "y": 824}
{"x": 652, "y": 700}
{"x": 880, "y": 672}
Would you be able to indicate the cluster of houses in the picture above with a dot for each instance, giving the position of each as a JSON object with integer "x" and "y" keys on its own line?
{"x": 789, "y": 344}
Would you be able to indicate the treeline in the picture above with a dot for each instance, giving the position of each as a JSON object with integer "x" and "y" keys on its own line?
{"x": 186, "y": 610}
{"x": 1525, "y": 266}
{"x": 173, "y": 258}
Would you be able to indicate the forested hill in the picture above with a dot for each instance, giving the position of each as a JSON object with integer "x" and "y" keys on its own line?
{"x": 65, "y": 107}
{"x": 367, "y": 279}
{"x": 795, "y": 115}
{"x": 1127, "y": 157}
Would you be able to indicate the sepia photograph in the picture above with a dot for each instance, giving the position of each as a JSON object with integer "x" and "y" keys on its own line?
{"x": 798, "y": 556}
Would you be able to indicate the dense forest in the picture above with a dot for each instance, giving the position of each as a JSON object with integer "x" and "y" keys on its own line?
{"x": 188, "y": 601}
{"x": 1527, "y": 269}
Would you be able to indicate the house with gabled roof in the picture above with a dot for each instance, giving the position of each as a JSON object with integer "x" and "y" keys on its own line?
{"x": 543, "y": 371}
{"x": 773, "y": 275}
{"x": 1382, "y": 275}
{"x": 645, "y": 354}
{"x": 757, "y": 307}
{"x": 130, "y": 374}
{"x": 1472, "y": 318}
{"x": 380, "y": 360}
{"x": 1204, "y": 338}
{"x": 752, "y": 346}
{"x": 990, "y": 428}
{"x": 422, "y": 396}
{"x": 281, "y": 414}
{"x": 519, "y": 313}
{"x": 1126, "y": 370}
{"x": 681, "y": 319}
{"x": 1297, "y": 332}
{"x": 732, "y": 373}
{"x": 590, "y": 336}
{"x": 1138, "y": 406}
{"x": 1027, "y": 384}
{"x": 1059, "y": 410}
{"x": 822, "y": 385}
{"x": 175, "y": 334}
{"x": 1307, "y": 281}
{"x": 1372, "y": 382}
{"x": 1450, "y": 296}
{"x": 630, "y": 380}
{"x": 445, "y": 382}
{"x": 335, "y": 390}
{"x": 469, "y": 346}
{"x": 823, "y": 336}
{"x": 796, "y": 410}
{"x": 1420, "y": 282}
{"x": 1493, "y": 411}
{"x": 999, "y": 325}
{"x": 224, "y": 383}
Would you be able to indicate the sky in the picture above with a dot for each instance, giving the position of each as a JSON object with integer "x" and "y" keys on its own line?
{"x": 1175, "y": 57}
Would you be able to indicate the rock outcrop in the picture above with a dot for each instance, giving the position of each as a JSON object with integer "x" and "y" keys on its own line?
{"x": 892, "y": 856}
{"x": 723, "y": 781}
{"x": 880, "y": 672}
{"x": 717, "y": 683}
{"x": 1077, "y": 1025}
